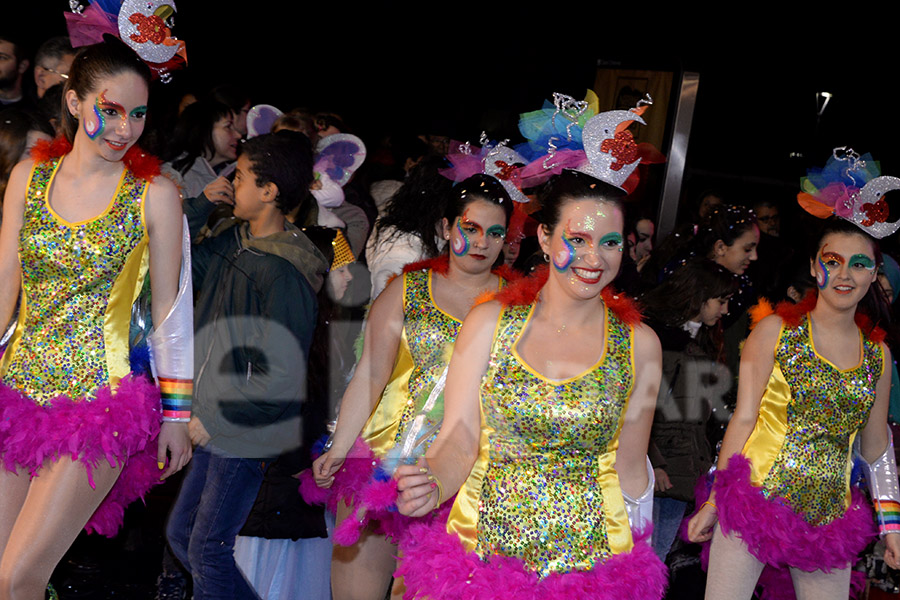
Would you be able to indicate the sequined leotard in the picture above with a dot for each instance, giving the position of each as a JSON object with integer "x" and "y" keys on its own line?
{"x": 66, "y": 389}
{"x": 793, "y": 474}
{"x": 425, "y": 347}
{"x": 542, "y": 512}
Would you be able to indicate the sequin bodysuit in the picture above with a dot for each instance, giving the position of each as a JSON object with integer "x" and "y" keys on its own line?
{"x": 550, "y": 494}
{"x": 79, "y": 281}
{"x": 425, "y": 348}
{"x": 809, "y": 415}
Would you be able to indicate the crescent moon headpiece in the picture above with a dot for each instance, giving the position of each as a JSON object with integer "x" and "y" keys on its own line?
{"x": 850, "y": 186}
{"x": 145, "y": 25}
{"x": 496, "y": 159}
{"x": 571, "y": 134}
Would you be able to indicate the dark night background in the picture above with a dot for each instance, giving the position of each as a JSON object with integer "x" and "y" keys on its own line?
{"x": 457, "y": 68}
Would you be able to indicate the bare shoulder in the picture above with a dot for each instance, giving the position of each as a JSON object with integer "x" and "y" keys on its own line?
{"x": 14, "y": 198}
{"x": 483, "y": 315}
{"x": 766, "y": 333}
{"x": 163, "y": 196}
{"x": 646, "y": 343}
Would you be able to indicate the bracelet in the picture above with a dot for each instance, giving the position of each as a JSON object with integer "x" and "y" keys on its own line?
{"x": 711, "y": 504}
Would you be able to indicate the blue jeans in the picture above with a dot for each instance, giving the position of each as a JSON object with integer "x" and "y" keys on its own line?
{"x": 215, "y": 498}
{"x": 667, "y": 516}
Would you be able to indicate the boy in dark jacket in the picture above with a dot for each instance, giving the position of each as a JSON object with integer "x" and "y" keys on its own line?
{"x": 256, "y": 287}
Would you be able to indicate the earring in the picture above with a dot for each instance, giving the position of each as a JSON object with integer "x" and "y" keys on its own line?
{"x": 546, "y": 257}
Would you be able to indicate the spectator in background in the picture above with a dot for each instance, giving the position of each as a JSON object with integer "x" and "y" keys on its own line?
{"x": 768, "y": 217}
{"x": 238, "y": 101}
{"x": 52, "y": 63}
{"x": 13, "y": 64}
{"x": 205, "y": 141}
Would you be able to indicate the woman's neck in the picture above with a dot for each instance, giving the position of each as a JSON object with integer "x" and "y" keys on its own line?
{"x": 557, "y": 304}
{"x": 829, "y": 317}
{"x": 86, "y": 163}
{"x": 465, "y": 279}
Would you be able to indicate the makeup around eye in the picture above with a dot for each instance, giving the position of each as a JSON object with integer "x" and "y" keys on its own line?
{"x": 828, "y": 257}
{"x": 497, "y": 230}
{"x": 612, "y": 238}
{"x": 862, "y": 260}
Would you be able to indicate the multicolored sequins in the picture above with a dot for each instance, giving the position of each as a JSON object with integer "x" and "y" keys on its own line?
{"x": 827, "y": 407}
{"x": 430, "y": 333}
{"x": 541, "y": 499}
{"x": 68, "y": 274}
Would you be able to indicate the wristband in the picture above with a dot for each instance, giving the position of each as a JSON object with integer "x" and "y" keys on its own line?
{"x": 172, "y": 345}
{"x": 883, "y": 485}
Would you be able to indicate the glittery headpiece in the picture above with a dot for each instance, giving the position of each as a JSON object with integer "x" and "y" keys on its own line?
{"x": 145, "y": 25}
{"x": 343, "y": 255}
{"x": 572, "y": 135}
{"x": 495, "y": 159}
{"x": 850, "y": 186}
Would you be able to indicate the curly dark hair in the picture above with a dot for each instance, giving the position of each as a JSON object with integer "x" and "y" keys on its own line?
{"x": 418, "y": 206}
{"x": 285, "y": 159}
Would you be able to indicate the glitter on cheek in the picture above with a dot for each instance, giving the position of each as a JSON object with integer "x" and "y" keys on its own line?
{"x": 94, "y": 124}
{"x": 821, "y": 275}
{"x": 564, "y": 257}
{"x": 460, "y": 245}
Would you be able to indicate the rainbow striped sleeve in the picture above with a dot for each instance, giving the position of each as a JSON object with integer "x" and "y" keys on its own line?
{"x": 176, "y": 398}
{"x": 888, "y": 515}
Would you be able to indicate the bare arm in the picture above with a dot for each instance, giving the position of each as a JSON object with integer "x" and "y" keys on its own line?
{"x": 164, "y": 227}
{"x": 13, "y": 217}
{"x": 453, "y": 453}
{"x": 631, "y": 456}
{"x": 873, "y": 438}
{"x": 384, "y": 326}
{"x": 757, "y": 362}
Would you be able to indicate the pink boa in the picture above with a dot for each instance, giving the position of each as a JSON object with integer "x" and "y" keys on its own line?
{"x": 779, "y": 537}
{"x": 120, "y": 428}
{"x": 435, "y": 566}
{"x": 372, "y": 499}
{"x": 350, "y": 478}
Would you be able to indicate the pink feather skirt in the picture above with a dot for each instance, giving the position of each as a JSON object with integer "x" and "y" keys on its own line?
{"x": 118, "y": 427}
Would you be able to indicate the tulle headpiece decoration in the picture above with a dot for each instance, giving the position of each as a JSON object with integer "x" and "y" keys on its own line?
{"x": 495, "y": 159}
{"x": 145, "y": 25}
{"x": 851, "y": 187}
{"x": 573, "y": 135}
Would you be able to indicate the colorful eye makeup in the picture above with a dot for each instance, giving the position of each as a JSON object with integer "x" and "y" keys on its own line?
{"x": 496, "y": 231}
{"x": 95, "y": 124}
{"x": 611, "y": 240}
{"x": 863, "y": 261}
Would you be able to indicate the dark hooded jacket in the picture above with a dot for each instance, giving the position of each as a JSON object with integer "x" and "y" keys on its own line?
{"x": 254, "y": 318}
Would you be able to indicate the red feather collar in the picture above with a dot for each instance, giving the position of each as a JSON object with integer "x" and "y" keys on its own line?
{"x": 792, "y": 315}
{"x": 525, "y": 291}
{"x": 441, "y": 264}
{"x": 142, "y": 164}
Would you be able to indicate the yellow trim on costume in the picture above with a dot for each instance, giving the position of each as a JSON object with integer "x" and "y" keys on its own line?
{"x": 862, "y": 350}
{"x": 380, "y": 430}
{"x": 618, "y": 530}
{"x": 768, "y": 435}
{"x": 71, "y": 224}
{"x": 431, "y": 298}
{"x": 514, "y": 348}
{"x": 124, "y": 292}
{"x": 463, "y": 519}
{"x": 848, "y": 470}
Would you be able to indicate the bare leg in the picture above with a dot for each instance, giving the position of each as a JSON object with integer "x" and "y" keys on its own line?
{"x": 59, "y": 503}
{"x": 362, "y": 571}
{"x": 819, "y": 585}
{"x": 13, "y": 490}
{"x": 733, "y": 571}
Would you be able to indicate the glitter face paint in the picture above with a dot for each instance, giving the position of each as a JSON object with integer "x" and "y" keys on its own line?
{"x": 863, "y": 261}
{"x": 460, "y": 245}
{"x": 104, "y": 108}
{"x": 497, "y": 231}
{"x": 612, "y": 241}
{"x": 825, "y": 258}
{"x": 564, "y": 258}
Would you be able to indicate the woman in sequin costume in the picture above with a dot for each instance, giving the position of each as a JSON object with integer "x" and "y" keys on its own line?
{"x": 410, "y": 333}
{"x": 542, "y": 439}
{"x": 812, "y": 379}
{"x": 80, "y": 222}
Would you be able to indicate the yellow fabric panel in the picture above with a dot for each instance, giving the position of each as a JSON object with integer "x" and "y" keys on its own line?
{"x": 768, "y": 435}
{"x": 116, "y": 321}
{"x": 618, "y": 531}
{"x": 381, "y": 428}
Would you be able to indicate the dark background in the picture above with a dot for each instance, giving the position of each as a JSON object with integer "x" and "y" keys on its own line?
{"x": 457, "y": 68}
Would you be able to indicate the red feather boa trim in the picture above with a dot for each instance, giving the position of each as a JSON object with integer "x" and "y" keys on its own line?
{"x": 436, "y": 566}
{"x": 441, "y": 264}
{"x": 142, "y": 164}
{"x": 525, "y": 291}
{"x": 778, "y": 536}
{"x": 792, "y": 315}
{"x": 119, "y": 428}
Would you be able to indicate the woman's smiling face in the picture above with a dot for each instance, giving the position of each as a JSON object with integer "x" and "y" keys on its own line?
{"x": 585, "y": 246}
{"x": 844, "y": 268}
